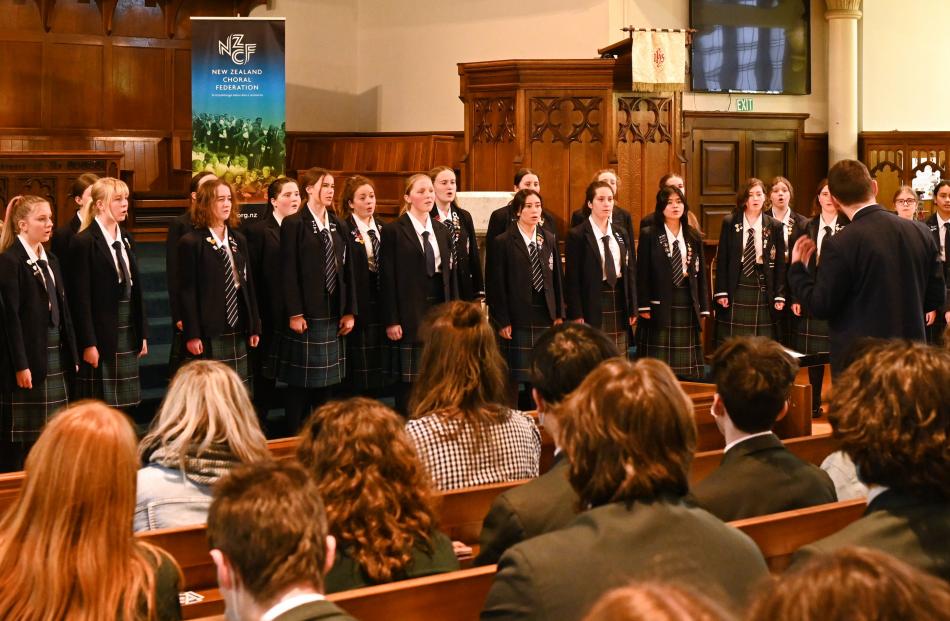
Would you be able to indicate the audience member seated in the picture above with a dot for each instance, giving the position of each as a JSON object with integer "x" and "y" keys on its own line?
{"x": 268, "y": 534}
{"x": 378, "y": 496}
{"x": 464, "y": 434}
{"x": 843, "y": 474}
{"x": 67, "y": 549}
{"x": 891, "y": 410}
{"x": 853, "y": 584}
{"x": 629, "y": 434}
{"x": 758, "y": 475}
{"x": 205, "y": 426}
{"x": 561, "y": 359}
{"x": 655, "y": 601}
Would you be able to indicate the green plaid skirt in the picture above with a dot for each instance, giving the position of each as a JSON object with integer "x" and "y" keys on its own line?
{"x": 678, "y": 344}
{"x": 405, "y": 357}
{"x": 231, "y": 349}
{"x": 811, "y": 335}
{"x": 748, "y": 313}
{"x": 314, "y": 359}
{"x": 116, "y": 379}
{"x": 24, "y": 412}
{"x": 365, "y": 347}
{"x": 614, "y": 322}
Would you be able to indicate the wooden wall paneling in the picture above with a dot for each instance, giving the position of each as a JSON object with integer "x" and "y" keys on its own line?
{"x": 139, "y": 88}
{"x": 21, "y": 84}
{"x": 494, "y": 141}
{"x": 139, "y": 19}
{"x": 75, "y": 97}
{"x": 75, "y": 17}
{"x": 181, "y": 89}
{"x": 812, "y": 168}
{"x": 770, "y": 158}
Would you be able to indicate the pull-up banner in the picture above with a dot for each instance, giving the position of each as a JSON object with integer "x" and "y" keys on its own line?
{"x": 238, "y": 103}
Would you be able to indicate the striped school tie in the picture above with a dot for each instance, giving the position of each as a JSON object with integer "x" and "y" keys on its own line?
{"x": 374, "y": 240}
{"x": 329, "y": 262}
{"x": 748, "y": 255}
{"x": 676, "y": 259}
{"x": 230, "y": 289}
{"x": 537, "y": 276}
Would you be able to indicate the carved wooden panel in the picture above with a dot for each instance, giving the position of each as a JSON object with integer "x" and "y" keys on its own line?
{"x": 494, "y": 119}
{"x": 719, "y": 167}
{"x": 917, "y": 159}
{"x": 40, "y": 186}
{"x": 566, "y": 119}
{"x": 769, "y": 159}
{"x": 644, "y": 119}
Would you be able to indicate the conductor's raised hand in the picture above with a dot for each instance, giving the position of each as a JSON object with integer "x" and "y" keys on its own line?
{"x": 803, "y": 249}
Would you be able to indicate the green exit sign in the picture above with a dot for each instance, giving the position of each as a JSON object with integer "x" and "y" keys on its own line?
{"x": 744, "y": 104}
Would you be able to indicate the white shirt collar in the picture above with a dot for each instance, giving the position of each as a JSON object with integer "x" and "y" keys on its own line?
{"x": 326, "y": 218}
{"x": 597, "y": 232}
{"x": 219, "y": 242}
{"x": 278, "y": 217}
{"x": 784, "y": 219}
{"x": 363, "y": 227}
{"x": 422, "y": 226}
{"x": 529, "y": 239}
{"x": 874, "y": 491}
{"x": 290, "y": 603}
{"x": 444, "y": 215}
{"x": 744, "y": 438}
{"x": 940, "y": 221}
{"x": 822, "y": 224}
{"x": 669, "y": 234}
{"x": 29, "y": 250}
{"x": 105, "y": 232}
{"x": 756, "y": 225}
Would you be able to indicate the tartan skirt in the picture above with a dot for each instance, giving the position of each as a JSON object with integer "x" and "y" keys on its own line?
{"x": 365, "y": 346}
{"x": 231, "y": 349}
{"x": 26, "y": 411}
{"x": 116, "y": 379}
{"x": 613, "y": 317}
{"x": 405, "y": 357}
{"x": 517, "y": 350}
{"x": 314, "y": 359}
{"x": 748, "y": 313}
{"x": 678, "y": 344}
{"x": 811, "y": 335}
{"x": 268, "y": 353}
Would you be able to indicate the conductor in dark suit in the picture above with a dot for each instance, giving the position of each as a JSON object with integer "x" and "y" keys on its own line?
{"x": 268, "y": 532}
{"x": 629, "y": 435}
{"x": 878, "y": 277}
{"x": 758, "y": 475}
{"x": 891, "y": 410}
{"x": 561, "y": 359}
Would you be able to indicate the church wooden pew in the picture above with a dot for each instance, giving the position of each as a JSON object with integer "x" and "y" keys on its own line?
{"x": 461, "y": 594}
{"x": 812, "y": 449}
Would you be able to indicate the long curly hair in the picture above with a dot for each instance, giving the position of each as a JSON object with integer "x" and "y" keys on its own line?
{"x": 378, "y": 495}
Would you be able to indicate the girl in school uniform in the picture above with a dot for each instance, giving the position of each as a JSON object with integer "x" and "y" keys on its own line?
{"x": 40, "y": 353}
{"x": 778, "y": 204}
{"x": 525, "y": 286}
{"x": 263, "y": 242}
{"x": 467, "y": 278}
{"x": 218, "y": 305}
{"x": 939, "y": 225}
{"x": 416, "y": 275}
{"x": 810, "y": 334}
{"x": 672, "y": 286}
{"x": 600, "y": 268}
{"x": 319, "y": 302}
{"x": 366, "y": 344}
{"x": 621, "y": 217}
{"x": 502, "y": 218}
{"x": 750, "y": 268}
{"x": 106, "y": 299}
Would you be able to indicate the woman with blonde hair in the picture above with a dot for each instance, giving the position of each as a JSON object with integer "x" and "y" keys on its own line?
{"x": 464, "y": 434}
{"x": 66, "y": 550}
{"x": 205, "y": 426}
{"x": 415, "y": 275}
{"x": 41, "y": 349}
{"x": 105, "y": 294}
{"x": 379, "y": 500}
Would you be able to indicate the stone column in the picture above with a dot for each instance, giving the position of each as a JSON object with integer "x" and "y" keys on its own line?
{"x": 842, "y": 16}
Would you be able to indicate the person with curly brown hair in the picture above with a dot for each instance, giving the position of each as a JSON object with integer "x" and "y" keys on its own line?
{"x": 378, "y": 496}
{"x": 891, "y": 410}
{"x": 629, "y": 434}
{"x": 853, "y": 584}
{"x": 655, "y": 601}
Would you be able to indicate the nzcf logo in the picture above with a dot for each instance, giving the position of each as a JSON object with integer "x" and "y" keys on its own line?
{"x": 235, "y": 47}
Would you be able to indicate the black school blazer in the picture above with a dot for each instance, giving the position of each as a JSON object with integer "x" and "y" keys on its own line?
{"x": 932, "y": 225}
{"x": 202, "y": 285}
{"x": 501, "y": 219}
{"x": 94, "y": 291}
{"x": 468, "y": 281}
{"x": 26, "y": 318}
{"x": 509, "y": 279}
{"x": 263, "y": 246}
{"x": 362, "y": 286}
{"x": 584, "y": 273}
{"x": 404, "y": 282}
{"x": 655, "y": 273}
{"x": 178, "y": 228}
{"x": 729, "y": 259}
{"x": 303, "y": 263}
{"x": 811, "y": 230}
{"x": 796, "y": 228}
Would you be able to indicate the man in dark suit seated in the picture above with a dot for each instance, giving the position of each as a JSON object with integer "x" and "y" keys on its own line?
{"x": 891, "y": 409}
{"x": 758, "y": 475}
{"x": 629, "y": 435}
{"x": 878, "y": 277}
{"x": 561, "y": 359}
{"x": 268, "y": 534}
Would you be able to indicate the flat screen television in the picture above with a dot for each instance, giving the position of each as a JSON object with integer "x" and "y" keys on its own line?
{"x": 750, "y": 46}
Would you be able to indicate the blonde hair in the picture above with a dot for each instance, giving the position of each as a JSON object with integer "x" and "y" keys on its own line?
{"x": 404, "y": 208}
{"x": 102, "y": 191}
{"x": 67, "y": 548}
{"x": 206, "y": 405}
{"x": 19, "y": 208}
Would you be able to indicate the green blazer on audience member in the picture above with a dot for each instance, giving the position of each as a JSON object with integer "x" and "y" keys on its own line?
{"x": 913, "y": 530}
{"x": 547, "y": 503}
{"x": 759, "y": 476}
{"x": 560, "y": 575}
{"x": 347, "y": 573}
